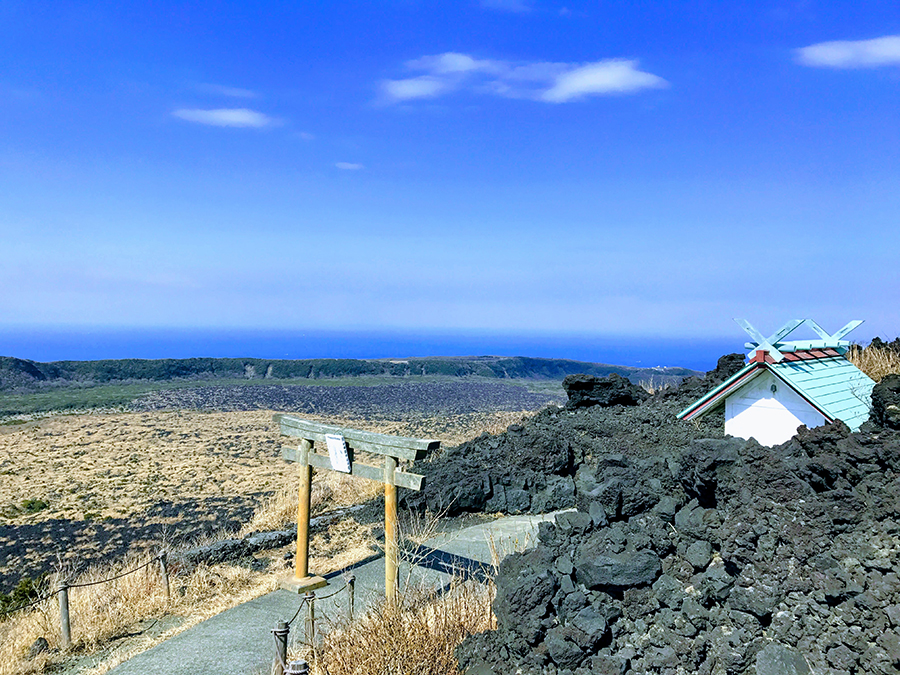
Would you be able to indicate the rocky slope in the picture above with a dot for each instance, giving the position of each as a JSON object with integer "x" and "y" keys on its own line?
{"x": 532, "y": 468}
{"x": 703, "y": 555}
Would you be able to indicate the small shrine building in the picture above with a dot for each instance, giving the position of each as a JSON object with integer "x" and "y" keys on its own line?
{"x": 788, "y": 384}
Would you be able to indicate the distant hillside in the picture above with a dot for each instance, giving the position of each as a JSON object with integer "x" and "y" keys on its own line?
{"x": 23, "y": 374}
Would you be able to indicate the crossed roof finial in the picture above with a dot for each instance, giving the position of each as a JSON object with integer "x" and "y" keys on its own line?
{"x": 774, "y": 343}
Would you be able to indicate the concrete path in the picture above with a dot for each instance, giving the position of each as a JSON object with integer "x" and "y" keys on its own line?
{"x": 239, "y": 641}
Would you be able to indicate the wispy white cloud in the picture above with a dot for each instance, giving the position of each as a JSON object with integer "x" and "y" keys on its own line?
{"x": 614, "y": 76}
{"x": 515, "y": 6}
{"x": 306, "y": 136}
{"x": 453, "y": 62}
{"x": 442, "y": 74}
{"x": 882, "y": 51}
{"x": 220, "y": 90}
{"x": 348, "y": 166}
{"x": 226, "y": 117}
{"x": 415, "y": 87}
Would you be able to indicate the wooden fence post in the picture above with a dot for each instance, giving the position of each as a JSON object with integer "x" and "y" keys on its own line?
{"x": 280, "y": 631}
{"x": 165, "y": 574}
{"x": 310, "y": 598}
{"x": 65, "y": 628}
{"x": 351, "y": 589}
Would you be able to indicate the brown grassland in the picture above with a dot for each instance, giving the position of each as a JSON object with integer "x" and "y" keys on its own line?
{"x": 114, "y": 474}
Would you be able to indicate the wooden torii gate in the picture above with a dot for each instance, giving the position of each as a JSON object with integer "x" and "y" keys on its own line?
{"x": 338, "y": 439}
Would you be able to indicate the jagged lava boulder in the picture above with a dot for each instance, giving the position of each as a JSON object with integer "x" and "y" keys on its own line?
{"x": 587, "y": 390}
{"x": 527, "y": 468}
{"x": 886, "y": 403}
{"x": 695, "y": 387}
{"x": 532, "y": 467}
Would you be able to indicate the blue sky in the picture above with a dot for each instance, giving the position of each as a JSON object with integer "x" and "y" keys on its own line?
{"x": 646, "y": 168}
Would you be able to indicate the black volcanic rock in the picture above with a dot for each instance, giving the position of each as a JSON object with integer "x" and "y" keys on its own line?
{"x": 596, "y": 570}
{"x": 586, "y": 390}
{"x": 886, "y": 403}
{"x": 726, "y": 366}
{"x": 695, "y": 387}
{"x": 536, "y": 467}
{"x": 708, "y": 556}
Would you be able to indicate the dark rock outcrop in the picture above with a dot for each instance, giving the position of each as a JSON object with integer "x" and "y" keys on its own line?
{"x": 718, "y": 556}
{"x": 526, "y": 468}
{"x": 39, "y": 646}
{"x": 228, "y": 550}
{"x": 694, "y": 387}
{"x": 534, "y": 467}
{"x": 893, "y": 346}
{"x": 886, "y": 403}
{"x": 586, "y": 390}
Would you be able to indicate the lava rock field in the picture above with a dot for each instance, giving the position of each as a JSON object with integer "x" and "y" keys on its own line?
{"x": 687, "y": 552}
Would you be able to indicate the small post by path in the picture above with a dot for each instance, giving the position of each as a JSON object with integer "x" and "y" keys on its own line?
{"x": 297, "y": 668}
{"x": 351, "y": 595}
{"x": 342, "y": 444}
{"x": 65, "y": 629}
{"x": 310, "y": 598}
{"x": 165, "y": 574}
{"x": 280, "y": 632}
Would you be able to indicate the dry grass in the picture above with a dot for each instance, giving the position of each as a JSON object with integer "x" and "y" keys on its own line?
{"x": 119, "y": 466}
{"x": 417, "y": 637}
{"x": 330, "y": 490}
{"x": 341, "y": 544}
{"x": 654, "y": 386}
{"x": 450, "y": 429}
{"x": 95, "y": 467}
{"x": 875, "y": 362}
{"x": 103, "y": 612}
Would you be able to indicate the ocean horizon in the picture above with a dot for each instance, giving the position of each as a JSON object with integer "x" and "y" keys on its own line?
{"x": 81, "y": 344}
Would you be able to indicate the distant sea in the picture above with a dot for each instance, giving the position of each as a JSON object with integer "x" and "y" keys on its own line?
{"x": 86, "y": 345}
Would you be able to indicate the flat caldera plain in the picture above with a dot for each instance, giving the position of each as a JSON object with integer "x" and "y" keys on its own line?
{"x": 88, "y": 488}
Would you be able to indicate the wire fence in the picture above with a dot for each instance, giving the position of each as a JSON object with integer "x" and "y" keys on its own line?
{"x": 62, "y": 592}
{"x": 118, "y": 576}
{"x": 7, "y": 612}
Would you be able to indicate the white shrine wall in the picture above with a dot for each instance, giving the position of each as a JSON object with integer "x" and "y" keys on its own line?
{"x": 771, "y": 417}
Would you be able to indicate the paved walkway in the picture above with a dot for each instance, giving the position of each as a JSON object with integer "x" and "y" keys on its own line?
{"x": 239, "y": 641}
